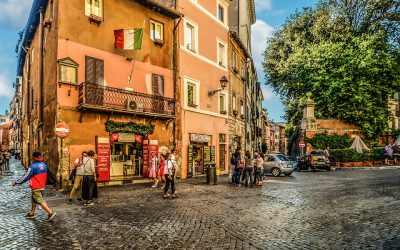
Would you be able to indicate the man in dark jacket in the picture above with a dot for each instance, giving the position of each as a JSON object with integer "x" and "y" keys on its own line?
{"x": 37, "y": 177}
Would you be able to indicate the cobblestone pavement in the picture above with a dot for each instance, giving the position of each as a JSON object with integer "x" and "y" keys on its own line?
{"x": 321, "y": 210}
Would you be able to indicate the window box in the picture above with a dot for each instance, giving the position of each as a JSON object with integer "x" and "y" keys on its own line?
{"x": 95, "y": 19}
{"x": 158, "y": 42}
{"x": 222, "y": 112}
{"x": 192, "y": 105}
{"x": 235, "y": 112}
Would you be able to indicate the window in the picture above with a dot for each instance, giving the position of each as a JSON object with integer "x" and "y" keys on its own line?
{"x": 68, "y": 70}
{"x": 156, "y": 30}
{"x": 191, "y": 94}
{"x": 233, "y": 102}
{"x": 222, "y": 103}
{"x": 190, "y": 37}
{"x": 94, "y": 71}
{"x": 94, "y": 7}
{"x": 158, "y": 84}
{"x": 242, "y": 69}
{"x": 241, "y": 107}
{"x": 233, "y": 59}
{"x": 221, "y": 54}
{"x": 221, "y": 13}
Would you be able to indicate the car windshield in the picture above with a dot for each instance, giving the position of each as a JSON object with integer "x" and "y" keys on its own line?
{"x": 282, "y": 158}
{"x": 291, "y": 158}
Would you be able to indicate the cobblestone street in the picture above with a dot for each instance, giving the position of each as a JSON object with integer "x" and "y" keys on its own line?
{"x": 322, "y": 210}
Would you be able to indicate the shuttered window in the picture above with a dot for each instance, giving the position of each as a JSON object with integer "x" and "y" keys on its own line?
{"x": 94, "y": 71}
{"x": 158, "y": 84}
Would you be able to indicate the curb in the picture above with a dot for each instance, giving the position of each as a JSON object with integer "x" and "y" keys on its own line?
{"x": 369, "y": 168}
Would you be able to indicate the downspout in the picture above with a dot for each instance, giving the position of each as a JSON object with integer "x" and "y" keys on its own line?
{"x": 40, "y": 80}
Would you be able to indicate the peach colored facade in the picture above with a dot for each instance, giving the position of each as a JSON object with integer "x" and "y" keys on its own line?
{"x": 200, "y": 68}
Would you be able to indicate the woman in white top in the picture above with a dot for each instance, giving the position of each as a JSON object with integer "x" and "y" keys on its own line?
{"x": 169, "y": 177}
{"x": 89, "y": 178}
{"x": 153, "y": 169}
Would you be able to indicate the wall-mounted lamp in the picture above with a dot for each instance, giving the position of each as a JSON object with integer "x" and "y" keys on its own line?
{"x": 224, "y": 82}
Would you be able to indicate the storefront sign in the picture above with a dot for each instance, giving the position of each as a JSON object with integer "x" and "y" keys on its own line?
{"x": 200, "y": 138}
{"x": 103, "y": 158}
{"x": 145, "y": 158}
{"x": 190, "y": 161}
{"x": 126, "y": 137}
{"x": 207, "y": 154}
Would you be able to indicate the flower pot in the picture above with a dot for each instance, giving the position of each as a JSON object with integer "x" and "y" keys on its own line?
{"x": 378, "y": 162}
{"x": 337, "y": 164}
{"x": 358, "y": 164}
{"x": 367, "y": 163}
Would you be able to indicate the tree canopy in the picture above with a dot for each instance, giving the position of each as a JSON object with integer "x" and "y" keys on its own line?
{"x": 346, "y": 53}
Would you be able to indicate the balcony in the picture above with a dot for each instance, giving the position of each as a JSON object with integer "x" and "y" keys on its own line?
{"x": 108, "y": 99}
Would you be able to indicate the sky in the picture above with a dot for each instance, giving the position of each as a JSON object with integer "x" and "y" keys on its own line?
{"x": 271, "y": 14}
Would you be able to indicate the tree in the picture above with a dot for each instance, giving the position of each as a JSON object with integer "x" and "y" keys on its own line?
{"x": 348, "y": 62}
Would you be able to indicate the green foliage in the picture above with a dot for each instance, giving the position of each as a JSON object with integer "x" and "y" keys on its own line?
{"x": 334, "y": 141}
{"x": 129, "y": 127}
{"x": 351, "y": 71}
{"x": 350, "y": 155}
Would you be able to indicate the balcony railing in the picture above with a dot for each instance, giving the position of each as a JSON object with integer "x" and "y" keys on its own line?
{"x": 124, "y": 101}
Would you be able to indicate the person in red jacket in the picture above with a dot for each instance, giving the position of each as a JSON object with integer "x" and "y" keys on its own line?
{"x": 37, "y": 177}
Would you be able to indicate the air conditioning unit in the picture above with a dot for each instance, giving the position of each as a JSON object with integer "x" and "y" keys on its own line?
{"x": 134, "y": 105}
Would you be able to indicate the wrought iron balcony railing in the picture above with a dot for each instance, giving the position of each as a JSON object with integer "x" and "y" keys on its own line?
{"x": 97, "y": 97}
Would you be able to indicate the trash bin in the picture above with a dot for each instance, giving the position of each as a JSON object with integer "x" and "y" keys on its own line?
{"x": 211, "y": 174}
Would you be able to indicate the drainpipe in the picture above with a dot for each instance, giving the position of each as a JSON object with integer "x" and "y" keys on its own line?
{"x": 40, "y": 78}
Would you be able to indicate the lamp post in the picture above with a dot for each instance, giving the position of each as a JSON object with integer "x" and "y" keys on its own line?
{"x": 224, "y": 82}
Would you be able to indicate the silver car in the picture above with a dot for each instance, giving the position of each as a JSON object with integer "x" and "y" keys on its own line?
{"x": 277, "y": 164}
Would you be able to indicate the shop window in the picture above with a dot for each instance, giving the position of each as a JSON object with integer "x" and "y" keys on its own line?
{"x": 156, "y": 30}
{"x": 94, "y": 71}
{"x": 94, "y": 8}
{"x": 158, "y": 84}
{"x": 221, "y": 54}
{"x": 191, "y": 94}
{"x": 222, "y": 138}
{"x": 68, "y": 70}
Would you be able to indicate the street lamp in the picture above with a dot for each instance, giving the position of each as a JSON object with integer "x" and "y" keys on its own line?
{"x": 224, "y": 82}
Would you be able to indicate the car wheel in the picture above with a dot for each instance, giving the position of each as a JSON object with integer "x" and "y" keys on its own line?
{"x": 276, "y": 172}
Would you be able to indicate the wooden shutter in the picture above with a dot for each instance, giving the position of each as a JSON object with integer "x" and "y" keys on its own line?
{"x": 162, "y": 85}
{"x": 89, "y": 70}
{"x": 155, "y": 84}
{"x": 99, "y": 66}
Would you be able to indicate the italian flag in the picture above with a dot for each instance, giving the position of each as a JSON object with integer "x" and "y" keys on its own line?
{"x": 129, "y": 39}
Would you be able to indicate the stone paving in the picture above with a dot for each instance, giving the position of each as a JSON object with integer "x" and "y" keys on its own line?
{"x": 321, "y": 210}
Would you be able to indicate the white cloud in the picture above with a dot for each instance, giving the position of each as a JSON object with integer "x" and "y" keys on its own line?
{"x": 262, "y": 5}
{"x": 14, "y": 13}
{"x": 6, "y": 89}
{"x": 261, "y": 31}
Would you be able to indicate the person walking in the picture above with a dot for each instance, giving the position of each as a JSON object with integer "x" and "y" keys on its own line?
{"x": 388, "y": 153}
{"x": 153, "y": 169}
{"x": 36, "y": 174}
{"x": 77, "y": 188}
{"x": 249, "y": 170}
{"x": 259, "y": 160}
{"x": 232, "y": 170}
{"x": 1, "y": 164}
{"x": 7, "y": 157}
{"x": 169, "y": 173}
{"x": 161, "y": 176}
{"x": 239, "y": 168}
{"x": 89, "y": 178}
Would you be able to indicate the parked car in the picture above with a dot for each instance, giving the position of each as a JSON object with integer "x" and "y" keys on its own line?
{"x": 293, "y": 160}
{"x": 314, "y": 160}
{"x": 277, "y": 164}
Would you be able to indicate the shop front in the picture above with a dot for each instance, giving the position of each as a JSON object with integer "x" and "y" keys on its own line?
{"x": 200, "y": 153}
{"x": 124, "y": 156}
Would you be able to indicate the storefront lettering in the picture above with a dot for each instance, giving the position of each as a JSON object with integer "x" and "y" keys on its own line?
{"x": 103, "y": 158}
{"x": 200, "y": 138}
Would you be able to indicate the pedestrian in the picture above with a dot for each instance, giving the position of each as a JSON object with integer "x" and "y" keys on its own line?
{"x": 36, "y": 174}
{"x": 249, "y": 170}
{"x": 89, "y": 178}
{"x": 388, "y": 153}
{"x": 232, "y": 169}
{"x": 239, "y": 168}
{"x": 7, "y": 157}
{"x": 258, "y": 169}
{"x": 77, "y": 188}
{"x": 1, "y": 164}
{"x": 169, "y": 173}
{"x": 153, "y": 169}
{"x": 161, "y": 176}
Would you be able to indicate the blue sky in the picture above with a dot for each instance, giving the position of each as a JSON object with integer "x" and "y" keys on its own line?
{"x": 271, "y": 14}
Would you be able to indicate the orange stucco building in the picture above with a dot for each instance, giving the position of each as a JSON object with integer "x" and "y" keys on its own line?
{"x": 117, "y": 102}
{"x": 203, "y": 55}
